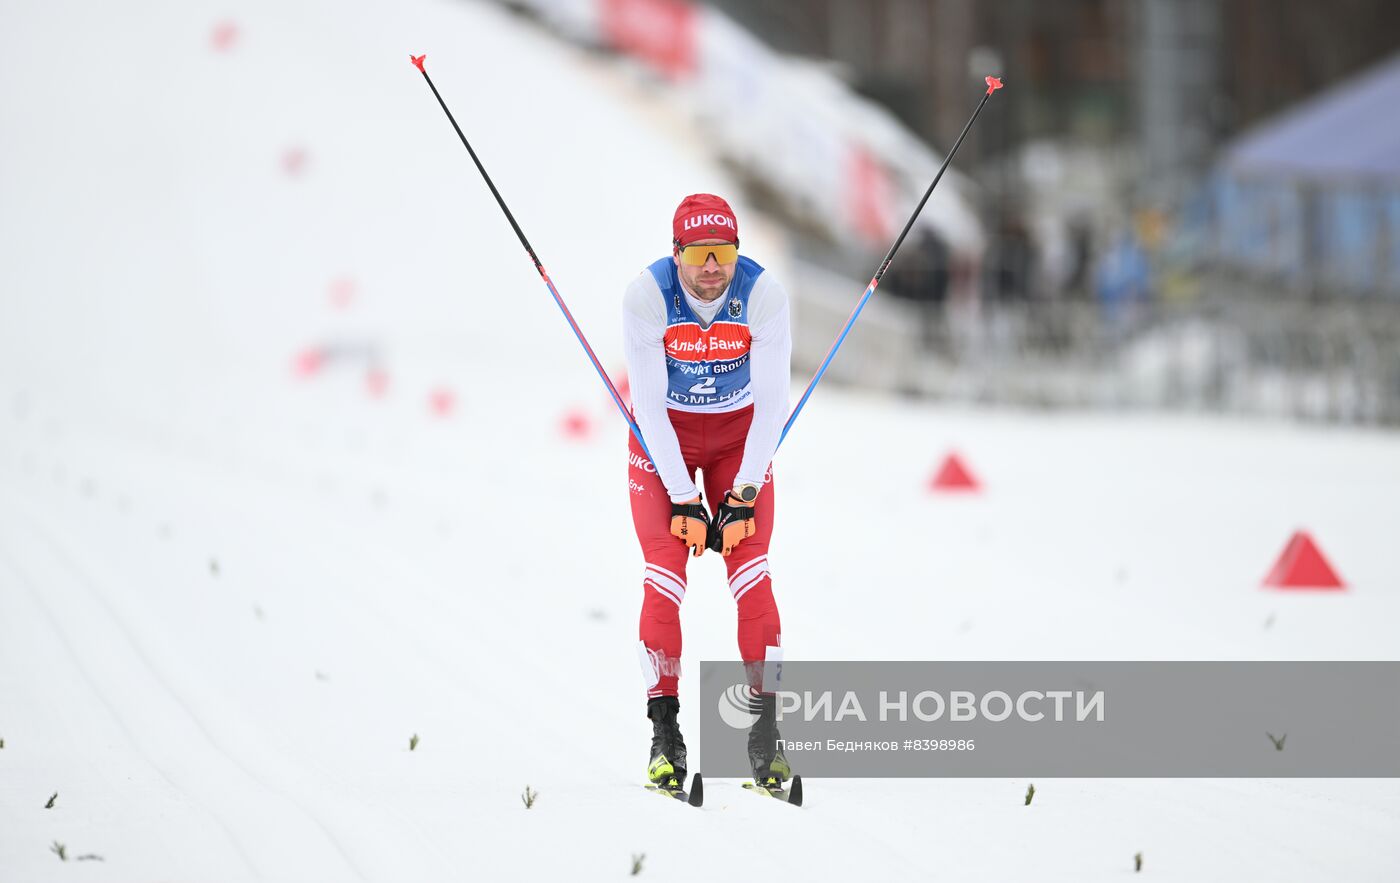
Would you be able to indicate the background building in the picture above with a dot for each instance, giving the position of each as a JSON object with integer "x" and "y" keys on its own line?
{"x": 1134, "y": 229}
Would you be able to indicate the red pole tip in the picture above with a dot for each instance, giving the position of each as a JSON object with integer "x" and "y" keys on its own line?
{"x": 418, "y": 62}
{"x": 993, "y": 84}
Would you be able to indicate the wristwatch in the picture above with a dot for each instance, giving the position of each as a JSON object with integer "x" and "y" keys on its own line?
{"x": 745, "y": 492}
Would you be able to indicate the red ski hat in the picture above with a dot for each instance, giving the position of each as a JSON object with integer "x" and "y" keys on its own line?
{"x": 703, "y": 216}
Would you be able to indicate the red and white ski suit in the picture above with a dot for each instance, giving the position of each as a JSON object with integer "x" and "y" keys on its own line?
{"x": 730, "y": 444}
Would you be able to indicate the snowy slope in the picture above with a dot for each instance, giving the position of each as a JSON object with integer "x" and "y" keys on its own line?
{"x": 229, "y": 595}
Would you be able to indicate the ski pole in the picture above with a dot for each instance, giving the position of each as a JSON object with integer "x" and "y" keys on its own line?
{"x": 569, "y": 317}
{"x": 993, "y": 84}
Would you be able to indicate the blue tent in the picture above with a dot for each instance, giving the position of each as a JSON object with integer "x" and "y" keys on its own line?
{"x": 1352, "y": 130}
{"x": 1312, "y": 197}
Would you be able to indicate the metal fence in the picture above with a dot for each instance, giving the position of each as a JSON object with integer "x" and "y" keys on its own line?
{"x": 1228, "y": 349}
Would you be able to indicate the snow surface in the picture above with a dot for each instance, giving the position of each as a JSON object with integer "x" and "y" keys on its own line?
{"x": 229, "y": 595}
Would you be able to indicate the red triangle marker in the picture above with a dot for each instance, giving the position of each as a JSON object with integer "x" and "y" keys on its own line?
{"x": 294, "y": 161}
{"x": 576, "y": 425}
{"x": 442, "y": 401}
{"x": 224, "y": 36}
{"x": 342, "y": 292}
{"x": 308, "y": 362}
{"x": 376, "y": 382}
{"x": 953, "y": 475}
{"x": 1303, "y": 566}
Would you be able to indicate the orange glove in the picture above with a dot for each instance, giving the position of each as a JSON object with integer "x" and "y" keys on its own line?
{"x": 733, "y": 524}
{"x": 690, "y": 522}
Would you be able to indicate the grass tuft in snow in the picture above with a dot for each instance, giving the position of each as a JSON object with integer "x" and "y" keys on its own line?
{"x": 91, "y": 857}
{"x": 413, "y": 742}
{"x": 528, "y": 798}
{"x": 1030, "y": 794}
{"x": 1137, "y": 863}
{"x": 2, "y": 743}
{"x": 50, "y": 804}
{"x": 1278, "y": 743}
{"x": 59, "y": 850}
{"x": 637, "y": 859}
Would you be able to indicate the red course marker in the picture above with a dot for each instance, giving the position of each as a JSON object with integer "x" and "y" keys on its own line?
{"x": 417, "y": 61}
{"x": 376, "y": 382}
{"x": 342, "y": 291}
{"x": 953, "y": 475}
{"x": 1303, "y": 566}
{"x": 294, "y": 161}
{"x": 576, "y": 424}
{"x": 308, "y": 362}
{"x": 224, "y": 35}
{"x": 442, "y": 401}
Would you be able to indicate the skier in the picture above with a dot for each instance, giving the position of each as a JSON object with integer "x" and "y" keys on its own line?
{"x": 708, "y": 347}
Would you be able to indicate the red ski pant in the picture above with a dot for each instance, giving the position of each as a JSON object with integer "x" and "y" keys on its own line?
{"x": 713, "y": 444}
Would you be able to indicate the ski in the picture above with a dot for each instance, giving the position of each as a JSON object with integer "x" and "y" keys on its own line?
{"x": 695, "y": 796}
{"x": 792, "y": 796}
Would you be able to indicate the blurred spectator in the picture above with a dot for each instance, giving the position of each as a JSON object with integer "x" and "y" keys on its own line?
{"x": 1081, "y": 237}
{"x": 920, "y": 270}
{"x": 1010, "y": 262}
{"x": 920, "y": 274}
{"x": 1121, "y": 280}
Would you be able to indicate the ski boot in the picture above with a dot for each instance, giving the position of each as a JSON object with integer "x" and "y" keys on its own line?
{"x": 770, "y": 766}
{"x": 666, "y": 770}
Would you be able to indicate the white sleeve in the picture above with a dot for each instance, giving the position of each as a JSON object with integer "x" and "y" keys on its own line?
{"x": 770, "y": 374}
{"x": 643, "y": 332}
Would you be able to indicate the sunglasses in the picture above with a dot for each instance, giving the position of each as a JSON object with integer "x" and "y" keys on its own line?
{"x": 697, "y": 255}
